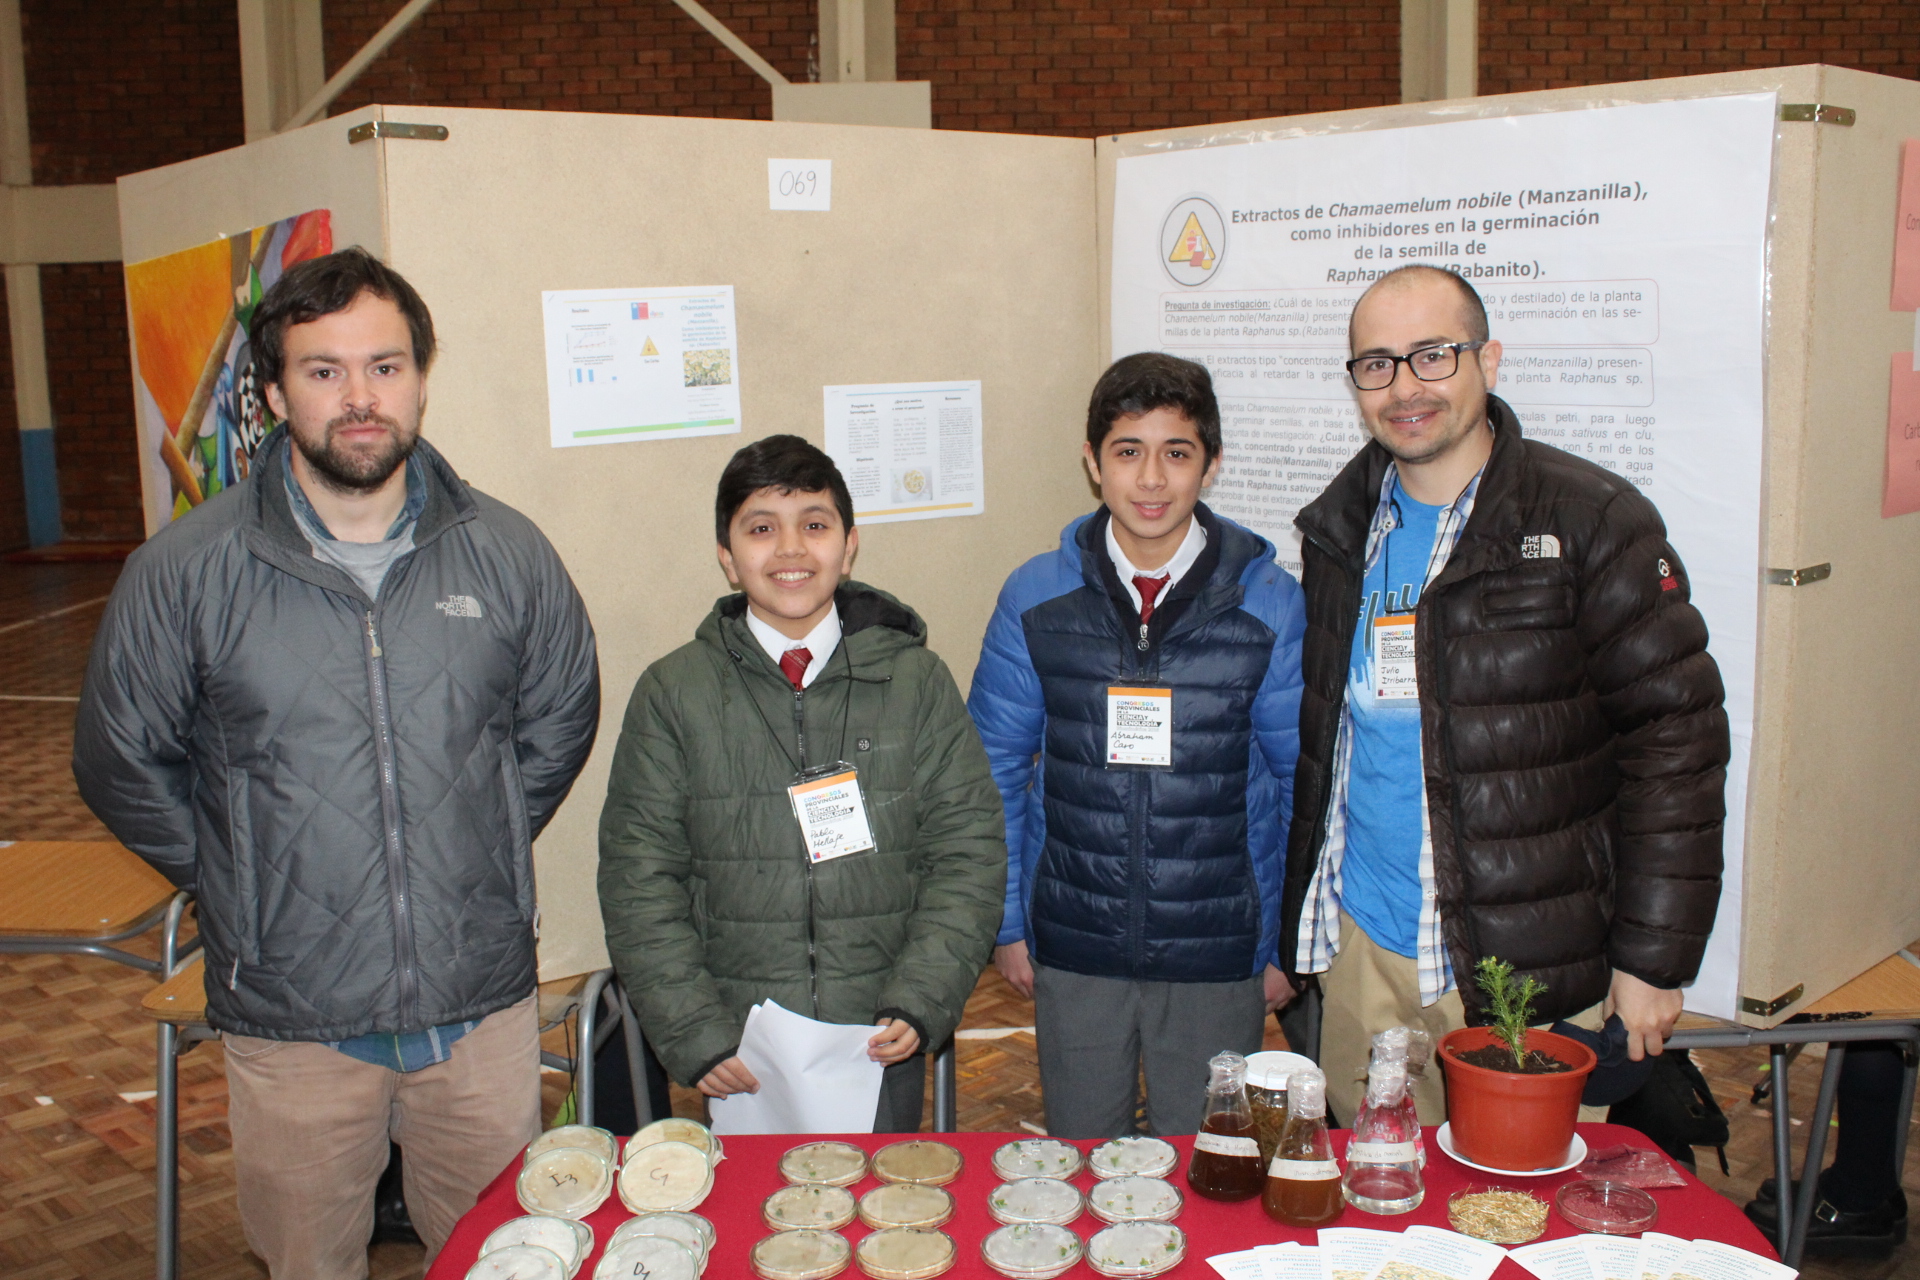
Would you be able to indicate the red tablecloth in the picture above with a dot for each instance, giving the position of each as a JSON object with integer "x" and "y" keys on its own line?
{"x": 750, "y": 1173}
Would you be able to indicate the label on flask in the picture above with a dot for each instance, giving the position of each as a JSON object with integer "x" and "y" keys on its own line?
{"x": 1303, "y": 1170}
{"x": 1221, "y": 1144}
{"x": 1381, "y": 1152}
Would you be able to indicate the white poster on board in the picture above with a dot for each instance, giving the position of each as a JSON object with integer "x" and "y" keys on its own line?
{"x": 640, "y": 364}
{"x": 1621, "y": 252}
{"x": 908, "y": 450}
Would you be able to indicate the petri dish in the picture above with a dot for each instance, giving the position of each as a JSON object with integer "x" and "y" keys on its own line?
{"x": 676, "y": 1129}
{"x": 1036, "y": 1200}
{"x": 673, "y": 1226}
{"x": 838, "y": 1164}
{"x": 566, "y": 1182}
{"x": 1038, "y": 1158}
{"x": 901, "y": 1253}
{"x": 653, "y": 1256}
{"x": 664, "y": 1175}
{"x": 1612, "y": 1208}
{"x": 813, "y": 1205}
{"x": 567, "y": 1239}
{"x": 801, "y": 1255}
{"x": 1498, "y": 1215}
{"x": 519, "y": 1262}
{"x": 906, "y": 1204}
{"x": 918, "y": 1160}
{"x": 1132, "y": 1198}
{"x": 1148, "y": 1157}
{"x": 1136, "y": 1249}
{"x": 1031, "y": 1250}
{"x": 576, "y": 1135}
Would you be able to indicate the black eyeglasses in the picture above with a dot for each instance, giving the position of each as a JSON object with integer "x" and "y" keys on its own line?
{"x": 1429, "y": 364}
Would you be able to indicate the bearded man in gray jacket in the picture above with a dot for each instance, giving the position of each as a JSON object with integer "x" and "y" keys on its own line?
{"x": 338, "y": 701}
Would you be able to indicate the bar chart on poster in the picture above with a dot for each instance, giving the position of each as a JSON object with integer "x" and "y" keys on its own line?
{"x": 1621, "y": 255}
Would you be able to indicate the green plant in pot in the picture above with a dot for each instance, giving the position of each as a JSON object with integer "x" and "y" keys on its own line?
{"x": 1513, "y": 1092}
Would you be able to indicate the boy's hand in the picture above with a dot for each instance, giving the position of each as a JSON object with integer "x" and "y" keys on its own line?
{"x": 730, "y": 1076}
{"x": 895, "y": 1043}
{"x": 1013, "y": 964}
{"x": 1279, "y": 991}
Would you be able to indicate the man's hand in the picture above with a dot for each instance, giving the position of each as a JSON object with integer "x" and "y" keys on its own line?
{"x": 730, "y": 1076}
{"x": 1649, "y": 1013}
{"x": 1279, "y": 991}
{"x": 1013, "y": 964}
{"x": 895, "y": 1043}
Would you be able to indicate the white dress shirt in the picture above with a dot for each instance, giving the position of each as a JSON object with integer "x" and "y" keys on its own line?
{"x": 1173, "y": 570}
{"x": 820, "y": 642}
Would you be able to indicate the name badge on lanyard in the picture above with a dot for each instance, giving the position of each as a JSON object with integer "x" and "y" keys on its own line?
{"x": 832, "y": 814}
{"x": 1140, "y": 726}
{"x": 1395, "y": 678}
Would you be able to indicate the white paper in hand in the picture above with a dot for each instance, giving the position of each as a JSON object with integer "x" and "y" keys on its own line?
{"x": 815, "y": 1077}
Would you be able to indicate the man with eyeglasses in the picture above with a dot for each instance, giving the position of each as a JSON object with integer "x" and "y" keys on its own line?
{"x": 1512, "y": 737}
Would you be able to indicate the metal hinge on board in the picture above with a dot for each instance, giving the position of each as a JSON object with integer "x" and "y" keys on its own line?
{"x": 1815, "y": 113}
{"x": 1798, "y": 577}
{"x": 1767, "y": 1008}
{"x": 394, "y": 129}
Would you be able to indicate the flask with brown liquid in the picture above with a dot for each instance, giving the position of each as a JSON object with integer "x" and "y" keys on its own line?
{"x": 1303, "y": 1182}
{"x": 1226, "y": 1155}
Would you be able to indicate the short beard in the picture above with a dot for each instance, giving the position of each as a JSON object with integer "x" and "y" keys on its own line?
{"x": 356, "y": 471}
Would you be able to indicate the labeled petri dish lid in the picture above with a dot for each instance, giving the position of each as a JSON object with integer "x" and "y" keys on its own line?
{"x": 1612, "y": 1208}
{"x": 801, "y": 1255}
{"x": 1148, "y": 1157}
{"x": 584, "y": 1136}
{"x": 838, "y": 1164}
{"x": 655, "y": 1257}
{"x": 675, "y": 1129}
{"x": 906, "y": 1204}
{"x": 902, "y": 1253}
{"x": 566, "y": 1182}
{"x": 569, "y": 1240}
{"x": 1036, "y": 1200}
{"x": 1038, "y": 1158}
{"x": 519, "y": 1262}
{"x": 918, "y": 1160}
{"x": 816, "y": 1205}
{"x": 673, "y": 1226}
{"x": 1031, "y": 1250}
{"x": 665, "y": 1175}
{"x": 1132, "y": 1198}
{"x": 1136, "y": 1248}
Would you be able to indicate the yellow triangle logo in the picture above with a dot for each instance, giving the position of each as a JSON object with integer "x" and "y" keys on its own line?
{"x": 1192, "y": 248}
{"x": 649, "y": 349}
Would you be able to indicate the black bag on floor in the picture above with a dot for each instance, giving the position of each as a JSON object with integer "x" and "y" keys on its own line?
{"x": 1676, "y": 1109}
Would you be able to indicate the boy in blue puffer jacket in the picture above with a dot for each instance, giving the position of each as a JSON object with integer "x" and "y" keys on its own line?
{"x": 1139, "y": 696}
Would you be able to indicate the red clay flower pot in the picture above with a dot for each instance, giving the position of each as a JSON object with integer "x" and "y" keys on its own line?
{"x": 1505, "y": 1120}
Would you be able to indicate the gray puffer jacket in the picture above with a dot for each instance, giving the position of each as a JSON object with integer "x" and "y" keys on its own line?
{"x": 352, "y": 787}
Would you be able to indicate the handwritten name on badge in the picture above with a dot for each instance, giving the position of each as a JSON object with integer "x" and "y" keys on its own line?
{"x": 832, "y": 816}
{"x": 1139, "y": 726}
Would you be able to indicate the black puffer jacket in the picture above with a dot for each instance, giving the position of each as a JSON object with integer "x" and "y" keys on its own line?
{"x": 1574, "y": 740}
{"x": 352, "y": 787}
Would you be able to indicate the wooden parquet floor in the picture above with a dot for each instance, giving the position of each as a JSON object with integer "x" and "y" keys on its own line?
{"x": 76, "y": 1053}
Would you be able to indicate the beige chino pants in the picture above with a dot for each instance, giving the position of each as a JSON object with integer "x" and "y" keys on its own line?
{"x": 311, "y": 1125}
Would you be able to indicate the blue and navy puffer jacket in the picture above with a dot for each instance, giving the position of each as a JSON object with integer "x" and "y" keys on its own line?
{"x": 1159, "y": 874}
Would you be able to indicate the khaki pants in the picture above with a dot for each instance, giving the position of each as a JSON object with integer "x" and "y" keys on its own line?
{"x": 1369, "y": 989}
{"x": 310, "y": 1130}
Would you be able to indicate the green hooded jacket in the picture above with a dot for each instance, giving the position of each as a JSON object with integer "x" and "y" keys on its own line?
{"x": 710, "y": 902}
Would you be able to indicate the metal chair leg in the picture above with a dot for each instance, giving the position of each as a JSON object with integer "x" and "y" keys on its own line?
{"x": 166, "y": 1154}
{"x": 946, "y": 1095}
{"x": 1782, "y": 1148}
{"x": 1816, "y": 1152}
{"x": 636, "y": 1059}
{"x": 583, "y": 1052}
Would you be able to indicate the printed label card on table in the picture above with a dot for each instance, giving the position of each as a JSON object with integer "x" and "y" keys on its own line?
{"x": 1355, "y": 1253}
{"x": 1711, "y": 1260}
{"x": 1301, "y": 1262}
{"x": 1613, "y": 1257}
{"x": 1555, "y": 1259}
{"x": 1247, "y": 1264}
{"x": 1660, "y": 1254}
{"x": 1429, "y": 1253}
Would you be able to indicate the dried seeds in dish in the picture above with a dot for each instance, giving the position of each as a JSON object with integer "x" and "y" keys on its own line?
{"x": 665, "y": 1175}
{"x": 1136, "y": 1249}
{"x": 838, "y": 1164}
{"x": 566, "y": 1182}
{"x": 906, "y": 1204}
{"x": 518, "y": 1262}
{"x": 1036, "y": 1200}
{"x": 1031, "y": 1250}
{"x": 901, "y": 1253}
{"x": 1147, "y": 1157}
{"x": 918, "y": 1160}
{"x": 813, "y": 1205}
{"x": 801, "y": 1255}
{"x": 569, "y": 1240}
{"x": 584, "y": 1136}
{"x": 1038, "y": 1158}
{"x": 1132, "y": 1198}
{"x": 654, "y": 1257}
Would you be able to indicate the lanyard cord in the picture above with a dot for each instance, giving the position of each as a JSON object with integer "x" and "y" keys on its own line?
{"x": 846, "y": 711}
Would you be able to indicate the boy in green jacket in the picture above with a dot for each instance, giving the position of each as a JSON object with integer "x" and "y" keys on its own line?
{"x": 712, "y": 896}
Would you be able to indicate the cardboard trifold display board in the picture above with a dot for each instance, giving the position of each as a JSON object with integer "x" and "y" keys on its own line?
{"x": 948, "y": 257}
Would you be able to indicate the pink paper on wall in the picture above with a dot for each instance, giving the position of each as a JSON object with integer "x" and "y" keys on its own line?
{"x": 1902, "y": 494}
{"x": 1906, "y": 232}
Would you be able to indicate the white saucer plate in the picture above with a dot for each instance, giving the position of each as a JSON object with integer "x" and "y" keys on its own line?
{"x": 1575, "y": 1154}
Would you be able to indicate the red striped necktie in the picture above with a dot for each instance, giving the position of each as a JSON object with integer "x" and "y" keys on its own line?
{"x": 1149, "y": 589}
{"x": 794, "y": 664}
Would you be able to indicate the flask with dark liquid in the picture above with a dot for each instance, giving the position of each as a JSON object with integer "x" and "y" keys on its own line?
{"x": 1226, "y": 1155}
{"x": 1303, "y": 1182}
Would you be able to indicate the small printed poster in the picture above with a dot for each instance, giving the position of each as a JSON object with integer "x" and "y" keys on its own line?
{"x": 908, "y": 450}
{"x": 641, "y": 364}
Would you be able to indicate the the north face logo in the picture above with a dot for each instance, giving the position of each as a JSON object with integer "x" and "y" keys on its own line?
{"x": 1539, "y": 546}
{"x": 460, "y": 607}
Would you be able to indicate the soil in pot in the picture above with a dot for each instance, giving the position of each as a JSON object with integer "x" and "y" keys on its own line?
{"x": 1498, "y": 1058}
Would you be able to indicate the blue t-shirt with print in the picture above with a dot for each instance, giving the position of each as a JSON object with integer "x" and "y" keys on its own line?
{"x": 1380, "y": 873}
